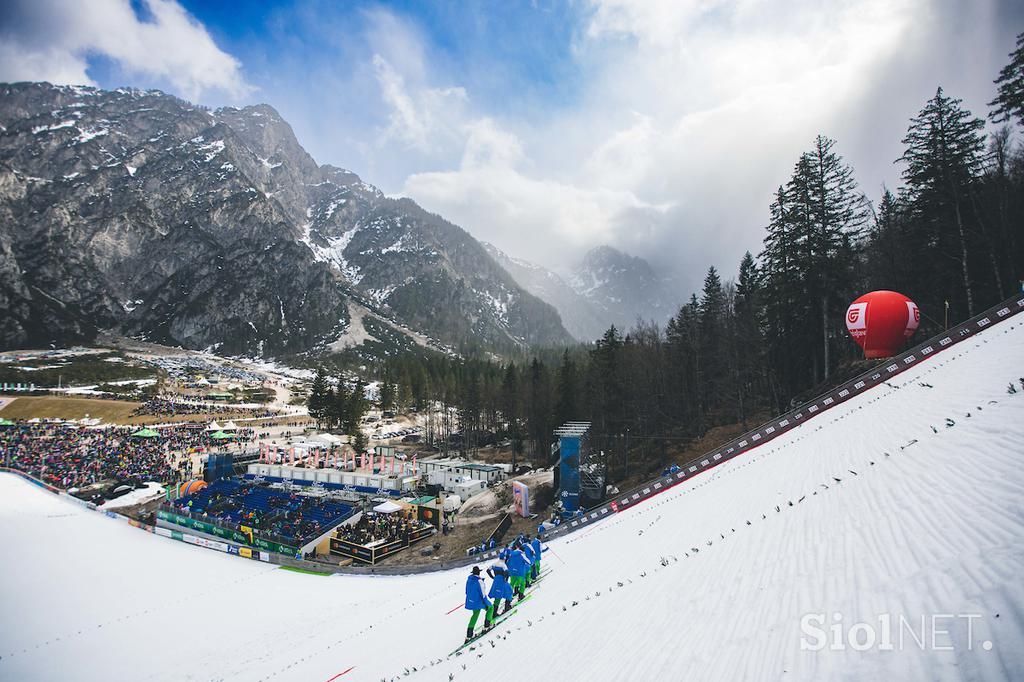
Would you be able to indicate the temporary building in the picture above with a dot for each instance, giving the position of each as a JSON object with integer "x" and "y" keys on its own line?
{"x": 146, "y": 433}
{"x": 220, "y": 435}
{"x": 229, "y": 426}
{"x": 214, "y": 426}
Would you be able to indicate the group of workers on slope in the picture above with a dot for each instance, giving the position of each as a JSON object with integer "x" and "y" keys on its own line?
{"x": 518, "y": 566}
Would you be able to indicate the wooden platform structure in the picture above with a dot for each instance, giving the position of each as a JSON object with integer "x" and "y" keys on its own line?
{"x": 374, "y": 552}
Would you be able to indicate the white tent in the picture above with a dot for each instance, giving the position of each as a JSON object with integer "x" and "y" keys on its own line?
{"x": 229, "y": 426}
{"x": 214, "y": 426}
{"x": 202, "y": 382}
{"x": 327, "y": 439}
{"x": 388, "y": 507}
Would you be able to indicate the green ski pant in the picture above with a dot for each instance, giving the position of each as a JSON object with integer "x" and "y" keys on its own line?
{"x": 489, "y": 618}
{"x": 518, "y": 583}
{"x": 474, "y": 617}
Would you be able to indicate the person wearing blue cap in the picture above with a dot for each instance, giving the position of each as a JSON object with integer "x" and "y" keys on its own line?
{"x": 476, "y": 601}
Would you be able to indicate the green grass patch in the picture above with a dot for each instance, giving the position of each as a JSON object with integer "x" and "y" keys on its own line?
{"x": 304, "y": 570}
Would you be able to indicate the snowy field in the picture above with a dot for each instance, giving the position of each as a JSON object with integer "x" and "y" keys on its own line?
{"x": 904, "y": 503}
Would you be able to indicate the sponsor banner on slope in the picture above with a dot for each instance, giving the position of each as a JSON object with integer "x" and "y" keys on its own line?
{"x": 203, "y": 542}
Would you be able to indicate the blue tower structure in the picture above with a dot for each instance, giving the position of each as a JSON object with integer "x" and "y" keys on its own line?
{"x": 573, "y": 448}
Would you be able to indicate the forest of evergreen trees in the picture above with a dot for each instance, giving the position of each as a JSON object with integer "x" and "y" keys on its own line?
{"x": 951, "y": 238}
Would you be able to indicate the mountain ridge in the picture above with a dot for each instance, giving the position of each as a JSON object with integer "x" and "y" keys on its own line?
{"x": 137, "y": 212}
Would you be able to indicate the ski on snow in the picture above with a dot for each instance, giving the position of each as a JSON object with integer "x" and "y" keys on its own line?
{"x": 498, "y": 621}
{"x": 504, "y": 616}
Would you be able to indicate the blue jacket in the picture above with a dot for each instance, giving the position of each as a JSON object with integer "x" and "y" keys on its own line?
{"x": 528, "y": 551}
{"x": 518, "y": 564}
{"x": 500, "y": 588}
{"x": 536, "y": 549}
{"x": 475, "y": 599}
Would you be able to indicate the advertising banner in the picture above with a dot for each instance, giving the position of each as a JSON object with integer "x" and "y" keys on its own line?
{"x": 521, "y": 498}
{"x": 427, "y": 514}
{"x": 569, "y": 473}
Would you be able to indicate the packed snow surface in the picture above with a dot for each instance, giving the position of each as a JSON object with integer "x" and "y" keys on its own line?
{"x": 905, "y": 502}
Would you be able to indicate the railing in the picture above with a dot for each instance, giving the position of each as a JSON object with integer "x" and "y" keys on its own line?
{"x": 239, "y": 533}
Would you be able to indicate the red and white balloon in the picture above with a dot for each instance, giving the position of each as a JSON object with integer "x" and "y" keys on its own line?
{"x": 881, "y": 321}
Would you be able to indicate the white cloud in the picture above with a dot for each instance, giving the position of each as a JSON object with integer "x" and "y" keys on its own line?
{"x": 522, "y": 212}
{"x": 420, "y": 117}
{"x": 692, "y": 112}
{"x": 52, "y": 40}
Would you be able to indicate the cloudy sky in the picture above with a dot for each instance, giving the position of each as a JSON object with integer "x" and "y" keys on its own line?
{"x": 661, "y": 127}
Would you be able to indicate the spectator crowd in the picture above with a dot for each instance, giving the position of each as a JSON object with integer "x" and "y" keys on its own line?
{"x": 181, "y": 405}
{"x": 373, "y": 527}
{"x": 69, "y": 455}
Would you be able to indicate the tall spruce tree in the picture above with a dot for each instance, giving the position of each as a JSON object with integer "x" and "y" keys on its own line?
{"x": 712, "y": 341}
{"x": 943, "y": 159}
{"x": 785, "y": 306}
{"x": 340, "y": 405}
{"x": 567, "y": 407}
{"x": 510, "y": 409}
{"x": 830, "y": 214}
{"x": 316, "y": 402}
{"x": 1009, "y": 102}
{"x": 749, "y": 337}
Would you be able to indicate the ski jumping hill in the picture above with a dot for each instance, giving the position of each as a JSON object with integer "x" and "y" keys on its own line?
{"x": 900, "y": 505}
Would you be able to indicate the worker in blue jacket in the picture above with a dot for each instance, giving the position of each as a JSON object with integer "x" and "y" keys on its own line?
{"x": 518, "y": 564}
{"x": 530, "y": 559}
{"x": 537, "y": 551}
{"x": 476, "y": 601}
{"x": 500, "y": 589}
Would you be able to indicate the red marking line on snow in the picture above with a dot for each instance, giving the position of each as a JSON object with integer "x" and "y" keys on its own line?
{"x": 342, "y": 673}
{"x": 454, "y": 610}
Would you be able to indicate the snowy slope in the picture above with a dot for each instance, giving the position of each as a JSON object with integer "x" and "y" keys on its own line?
{"x": 926, "y": 518}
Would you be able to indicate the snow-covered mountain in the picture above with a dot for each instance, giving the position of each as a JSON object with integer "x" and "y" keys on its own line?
{"x": 623, "y": 288}
{"x": 894, "y": 516}
{"x": 580, "y": 316}
{"x": 140, "y": 213}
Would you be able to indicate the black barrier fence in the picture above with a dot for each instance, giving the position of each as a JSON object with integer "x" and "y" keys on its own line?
{"x": 881, "y": 373}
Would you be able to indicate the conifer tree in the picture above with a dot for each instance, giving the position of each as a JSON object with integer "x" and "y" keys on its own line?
{"x": 1009, "y": 103}
{"x": 943, "y": 158}
{"x": 316, "y": 402}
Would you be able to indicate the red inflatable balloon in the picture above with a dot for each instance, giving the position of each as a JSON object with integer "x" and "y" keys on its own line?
{"x": 881, "y": 321}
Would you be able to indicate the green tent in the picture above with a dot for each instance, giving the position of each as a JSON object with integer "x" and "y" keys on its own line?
{"x": 6, "y": 422}
{"x": 220, "y": 435}
{"x": 146, "y": 433}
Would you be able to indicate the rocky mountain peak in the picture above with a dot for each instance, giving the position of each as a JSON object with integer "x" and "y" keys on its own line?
{"x": 137, "y": 212}
{"x": 623, "y": 287}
